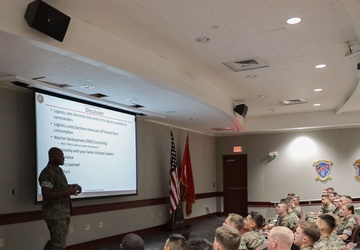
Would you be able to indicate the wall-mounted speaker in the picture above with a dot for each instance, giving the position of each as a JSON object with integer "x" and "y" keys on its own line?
{"x": 241, "y": 109}
{"x": 47, "y": 19}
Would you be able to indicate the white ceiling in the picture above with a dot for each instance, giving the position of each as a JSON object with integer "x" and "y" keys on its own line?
{"x": 146, "y": 51}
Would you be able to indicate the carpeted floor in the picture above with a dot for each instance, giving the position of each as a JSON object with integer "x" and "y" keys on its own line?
{"x": 204, "y": 228}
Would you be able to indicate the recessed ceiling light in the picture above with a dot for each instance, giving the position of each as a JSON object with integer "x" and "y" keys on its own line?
{"x": 89, "y": 80}
{"x": 170, "y": 112}
{"x": 320, "y": 66}
{"x": 87, "y": 86}
{"x": 316, "y": 104}
{"x": 262, "y": 96}
{"x": 202, "y": 39}
{"x": 293, "y": 20}
{"x": 131, "y": 100}
{"x": 318, "y": 90}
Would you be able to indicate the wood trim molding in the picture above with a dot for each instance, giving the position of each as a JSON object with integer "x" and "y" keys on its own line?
{"x": 7, "y": 219}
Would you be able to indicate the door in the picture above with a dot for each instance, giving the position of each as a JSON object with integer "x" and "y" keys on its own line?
{"x": 235, "y": 184}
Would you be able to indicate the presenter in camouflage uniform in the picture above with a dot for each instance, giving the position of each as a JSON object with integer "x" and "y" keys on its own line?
{"x": 254, "y": 237}
{"x": 56, "y": 204}
{"x": 328, "y": 240}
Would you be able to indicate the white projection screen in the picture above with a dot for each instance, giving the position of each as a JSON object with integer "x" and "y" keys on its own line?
{"x": 99, "y": 144}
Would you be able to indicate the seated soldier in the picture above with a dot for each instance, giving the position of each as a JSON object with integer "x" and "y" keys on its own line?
{"x": 284, "y": 219}
{"x": 291, "y": 213}
{"x": 306, "y": 234}
{"x": 327, "y": 207}
{"x": 297, "y": 209}
{"x": 337, "y": 210}
{"x": 254, "y": 237}
{"x": 327, "y": 223}
{"x": 347, "y": 225}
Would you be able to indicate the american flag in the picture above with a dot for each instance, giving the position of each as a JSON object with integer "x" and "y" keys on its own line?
{"x": 174, "y": 189}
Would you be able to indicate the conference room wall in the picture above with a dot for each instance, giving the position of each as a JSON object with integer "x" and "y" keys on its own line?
{"x": 17, "y": 153}
{"x": 292, "y": 170}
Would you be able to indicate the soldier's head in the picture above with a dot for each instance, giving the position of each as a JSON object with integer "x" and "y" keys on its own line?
{"x": 234, "y": 220}
{"x": 254, "y": 220}
{"x": 296, "y": 200}
{"x": 197, "y": 243}
{"x": 306, "y": 234}
{"x": 56, "y": 156}
{"x": 347, "y": 210}
{"x": 326, "y": 223}
{"x": 280, "y": 238}
{"x": 345, "y": 199}
{"x": 281, "y": 209}
{"x": 226, "y": 238}
{"x": 132, "y": 242}
{"x": 325, "y": 200}
{"x": 336, "y": 202}
{"x": 175, "y": 242}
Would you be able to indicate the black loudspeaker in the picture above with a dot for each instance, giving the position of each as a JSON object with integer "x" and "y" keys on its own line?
{"x": 241, "y": 109}
{"x": 46, "y": 19}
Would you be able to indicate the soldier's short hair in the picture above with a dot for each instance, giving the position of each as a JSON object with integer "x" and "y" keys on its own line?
{"x": 258, "y": 219}
{"x": 228, "y": 237}
{"x": 176, "y": 241}
{"x": 237, "y": 221}
{"x": 310, "y": 230}
{"x": 132, "y": 242}
{"x": 197, "y": 243}
{"x": 329, "y": 221}
{"x": 350, "y": 207}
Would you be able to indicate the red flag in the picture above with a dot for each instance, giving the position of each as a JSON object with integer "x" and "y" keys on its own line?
{"x": 187, "y": 180}
{"x": 174, "y": 187}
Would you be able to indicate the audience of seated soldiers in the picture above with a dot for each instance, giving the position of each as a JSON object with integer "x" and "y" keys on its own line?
{"x": 254, "y": 237}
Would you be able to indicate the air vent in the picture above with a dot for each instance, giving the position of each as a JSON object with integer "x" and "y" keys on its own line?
{"x": 255, "y": 63}
{"x": 98, "y": 95}
{"x": 21, "y": 84}
{"x": 136, "y": 106}
{"x": 293, "y": 102}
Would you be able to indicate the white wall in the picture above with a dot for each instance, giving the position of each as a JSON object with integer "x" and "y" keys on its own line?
{"x": 17, "y": 170}
{"x": 293, "y": 171}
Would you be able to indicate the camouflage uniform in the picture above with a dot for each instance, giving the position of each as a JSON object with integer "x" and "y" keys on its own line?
{"x": 331, "y": 242}
{"x": 294, "y": 217}
{"x": 329, "y": 209}
{"x": 337, "y": 212}
{"x": 252, "y": 239}
{"x": 307, "y": 248}
{"x": 286, "y": 221}
{"x": 346, "y": 226}
{"x": 56, "y": 211}
{"x": 297, "y": 211}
